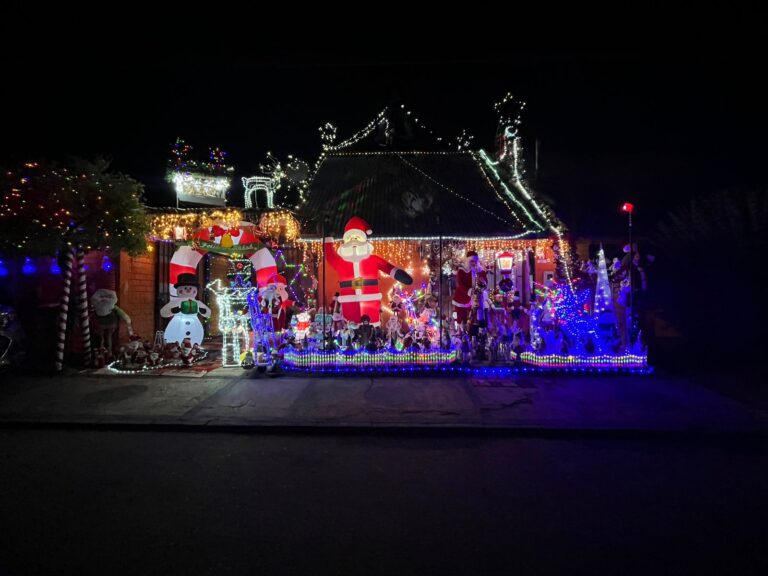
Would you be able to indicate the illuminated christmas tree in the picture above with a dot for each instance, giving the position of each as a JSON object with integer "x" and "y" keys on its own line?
{"x": 603, "y": 296}
{"x": 240, "y": 272}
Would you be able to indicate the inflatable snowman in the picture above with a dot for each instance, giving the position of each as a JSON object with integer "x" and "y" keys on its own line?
{"x": 183, "y": 310}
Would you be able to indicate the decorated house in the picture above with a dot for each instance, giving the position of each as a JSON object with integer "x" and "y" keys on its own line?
{"x": 398, "y": 249}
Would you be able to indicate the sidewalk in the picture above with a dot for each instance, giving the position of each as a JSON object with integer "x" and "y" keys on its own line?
{"x": 233, "y": 397}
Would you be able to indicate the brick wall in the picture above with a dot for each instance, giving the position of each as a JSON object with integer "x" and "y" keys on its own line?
{"x": 137, "y": 292}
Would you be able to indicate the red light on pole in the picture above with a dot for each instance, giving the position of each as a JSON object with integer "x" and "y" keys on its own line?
{"x": 629, "y": 208}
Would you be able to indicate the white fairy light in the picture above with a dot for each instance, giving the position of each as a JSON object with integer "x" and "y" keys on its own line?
{"x": 201, "y": 187}
{"x": 233, "y": 324}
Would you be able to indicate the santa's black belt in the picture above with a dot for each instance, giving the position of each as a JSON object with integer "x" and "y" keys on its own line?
{"x": 358, "y": 283}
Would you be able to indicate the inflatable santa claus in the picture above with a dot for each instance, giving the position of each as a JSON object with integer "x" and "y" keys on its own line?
{"x": 358, "y": 269}
{"x": 470, "y": 278}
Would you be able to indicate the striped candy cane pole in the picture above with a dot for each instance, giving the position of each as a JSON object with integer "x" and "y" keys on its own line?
{"x": 64, "y": 310}
{"x": 85, "y": 324}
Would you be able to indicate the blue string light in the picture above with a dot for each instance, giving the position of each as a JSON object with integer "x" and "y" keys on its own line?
{"x": 29, "y": 267}
{"x": 106, "y": 264}
{"x": 482, "y": 371}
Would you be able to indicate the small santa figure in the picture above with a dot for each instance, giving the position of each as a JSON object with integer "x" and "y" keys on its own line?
{"x": 133, "y": 347}
{"x": 358, "y": 269}
{"x": 497, "y": 312}
{"x": 141, "y": 357}
{"x": 336, "y": 314}
{"x": 99, "y": 359}
{"x": 397, "y": 306}
{"x": 278, "y": 314}
{"x": 154, "y": 357}
{"x": 186, "y": 352}
{"x": 286, "y": 304}
{"x": 518, "y": 314}
{"x": 471, "y": 280}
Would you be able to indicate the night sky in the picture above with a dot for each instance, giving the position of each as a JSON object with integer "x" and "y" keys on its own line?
{"x": 651, "y": 127}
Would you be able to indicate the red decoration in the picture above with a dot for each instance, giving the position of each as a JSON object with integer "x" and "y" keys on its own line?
{"x": 358, "y": 269}
{"x": 466, "y": 280}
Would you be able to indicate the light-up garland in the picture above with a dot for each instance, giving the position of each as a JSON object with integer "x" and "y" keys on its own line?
{"x": 363, "y": 358}
{"x": 329, "y": 132}
{"x": 596, "y": 361}
{"x": 115, "y": 366}
{"x": 182, "y": 225}
{"x": 280, "y": 224}
{"x": 403, "y": 249}
{"x": 234, "y": 319}
{"x": 491, "y": 165}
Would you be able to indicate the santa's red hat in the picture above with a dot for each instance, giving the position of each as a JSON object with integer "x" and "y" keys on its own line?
{"x": 278, "y": 279}
{"x": 357, "y": 224}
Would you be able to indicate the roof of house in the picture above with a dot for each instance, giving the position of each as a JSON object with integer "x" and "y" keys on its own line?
{"x": 407, "y": 183}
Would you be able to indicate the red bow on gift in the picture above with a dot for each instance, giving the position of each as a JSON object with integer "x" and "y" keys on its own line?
{"x": 219, "y": 231}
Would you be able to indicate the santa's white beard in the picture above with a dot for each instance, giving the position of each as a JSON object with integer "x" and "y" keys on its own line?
{"x": 355, "y": 251}
{"x": 103, "y": 307}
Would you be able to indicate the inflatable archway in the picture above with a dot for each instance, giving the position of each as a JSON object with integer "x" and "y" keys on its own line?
{"x": 221, "y": 238}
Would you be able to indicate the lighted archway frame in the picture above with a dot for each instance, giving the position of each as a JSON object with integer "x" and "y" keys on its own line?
{"x": 221, "y": 238}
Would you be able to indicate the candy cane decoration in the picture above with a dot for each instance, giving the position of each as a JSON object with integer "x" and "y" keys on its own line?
{"x": 63, "y": 312}
{"x": 264, "y": 265}
{"x": 186, "y": 258}
{"x": 85, "y": 324}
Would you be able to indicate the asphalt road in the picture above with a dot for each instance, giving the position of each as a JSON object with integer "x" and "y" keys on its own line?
{"x": 110, "y": 502}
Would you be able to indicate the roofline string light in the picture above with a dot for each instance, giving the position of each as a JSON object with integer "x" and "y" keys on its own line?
{"x": 491, "y": 165}
{"x": 447, "y": 238}
{"x": 451, "y": 191}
